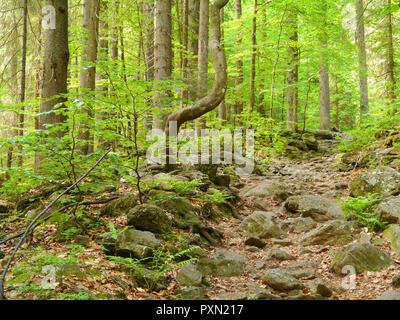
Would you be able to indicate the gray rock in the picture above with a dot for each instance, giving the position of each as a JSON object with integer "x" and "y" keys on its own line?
{"x": 299, "y": 270}
{"x": 281, "y": 281}
{"x": 120, "y": 206}
{"x": 392, "y": 234}
{"x": 390, "y": 295}
{"x": 362, "y": 256}
{"x": 5, "y": 206}
{"x": 259, "y": 224}
{"x": 223, "y": 264}
{"x": 163, "y": 181}
{"x": 256, "y": 242}
{"x": 318, "y": 208}
{"x": 189, "y": 275}
{"x": 136, "y": 243}
{"x": 282, "y": 242}
{"x": 193, "y": 293}
{"x": 280, "y": 254}
{"x": 384, "y": 181}
{"x": 298, "y": 225}
{"x": 261, "y": 204}
{"x": 318, "y": 286}
{"x": 396, "y": 282}
{"x": 149, "y": 217}
{"x": 336, "y": 232}
{"x": 268, "y": 189}
{"x": 389, "y": 210}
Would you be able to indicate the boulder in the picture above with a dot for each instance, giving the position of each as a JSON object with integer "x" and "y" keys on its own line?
{"x": 192, "y": 293}
{"x": 389, "y": 210}
{"x": 318, "y": 286}
{"x": 336, "y": 232}
{"x": 269, "y": 189}
{"x": 260, "y": 224}
{"x": 392, "y": 234}
{"x": 197, "y": 175}
{"x": 390, "y": 295}
{"x": 163, "y": 181}
{"x": 149, "y": 217}
{"x": 189, "y": 275}
{"x": 280, "y": 254}
{"x": 298, "y": 225}
{"x": 384, "y": 181}
{"x": 223, "y": 264}
{"x": 223, "y": 180}
{"x": 281, "y": 281}
{"x": 315, "y": 207}
{"x": 362, "y": 256}
{"x": 299, "y": 270}
{"x": 255, "y": 241}
{"x": 146, "y": 278}
{"x": 132, "y": 243}
{"x": 120, "y": 206}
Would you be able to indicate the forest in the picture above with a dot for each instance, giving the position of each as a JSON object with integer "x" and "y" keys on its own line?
{"x": 199, "y": 150}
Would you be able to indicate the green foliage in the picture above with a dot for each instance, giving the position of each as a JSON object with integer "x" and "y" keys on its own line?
{"x": 184, "y": 187}
{"x": 216, "y": 196}
{"x": 360, "y": 209}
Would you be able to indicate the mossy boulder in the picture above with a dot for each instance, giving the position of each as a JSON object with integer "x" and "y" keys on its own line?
{"x": 281, "y": 281}
{"x": 318, "y": 208}
{"x": 149, "y": 217}
{"x": 362, "y": 256}
{"x": 260, "y": 224}
{"x": 392, "y": 234}
{"x": 223, "y": 264}
{"x": 389, "y": 210}
{"x": 120, "y": 206}
{"x": 383, "y": 181}
{"x": 336, "y": 232}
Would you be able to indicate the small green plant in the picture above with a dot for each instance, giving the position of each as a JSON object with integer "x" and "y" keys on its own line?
{"x": 216, "y": 196}
{"x": 186, "y": 186}
{"x": 360, "y": 209}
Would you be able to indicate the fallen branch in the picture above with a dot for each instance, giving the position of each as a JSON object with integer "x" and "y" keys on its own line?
{"x": 33, "y": 222}
{"x": 84, "y": 203}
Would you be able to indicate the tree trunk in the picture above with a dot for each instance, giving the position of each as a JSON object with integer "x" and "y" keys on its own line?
{"x": 55, "y": 69}
{"x": 217, "y": 93}
{"x": 324, "y": 94}
{"x": 239, "y": 61}
{"x": 292, "y": 74}
{"x": 391, "y": 79}
{"x": 253, "y": 56}
{"x": 222, "y": 106}
{"x": 55, "y": 66}
{"x": 362, "y": 58}
{"x": 88, "y": 73}
{"x": 162, "y": 58}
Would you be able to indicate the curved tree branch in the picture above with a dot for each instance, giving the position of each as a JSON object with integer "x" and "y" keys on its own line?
{"x": 217, "y": 93}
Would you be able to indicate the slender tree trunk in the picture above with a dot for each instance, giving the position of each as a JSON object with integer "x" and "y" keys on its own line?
{"x": 222, "y": 106}
{"x": 391, "y": 79}
{"x": 292, "y": 74}
{"x": 362, "y": 58}
{"x": 88, "y": 74}
{"x": 239, "y": 61}
{"x": 253, "y": 57}
{"x": 162, "y": 58}
{"x": 324, "y": 94}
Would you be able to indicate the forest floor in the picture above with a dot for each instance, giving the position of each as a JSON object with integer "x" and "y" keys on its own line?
{"x": 315, "y": 174}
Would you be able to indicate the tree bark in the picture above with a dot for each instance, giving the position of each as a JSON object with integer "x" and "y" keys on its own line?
{"x": 362, "y": 58}
{"x": 88, "y": 73}
{"x": 162, "y": 59}
{"x": 253, "y": 56}
{"x": 55, "y": 66}
{"x": 239, "y": 61}
{"x": 391, "y": 79}
{"x": 217, "y": 93}
{"x": 324, "y": 94}
{"x": 292, "y": 73}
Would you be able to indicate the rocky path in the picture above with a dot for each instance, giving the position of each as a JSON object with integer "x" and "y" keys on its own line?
{"x": 296, "y": 264}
